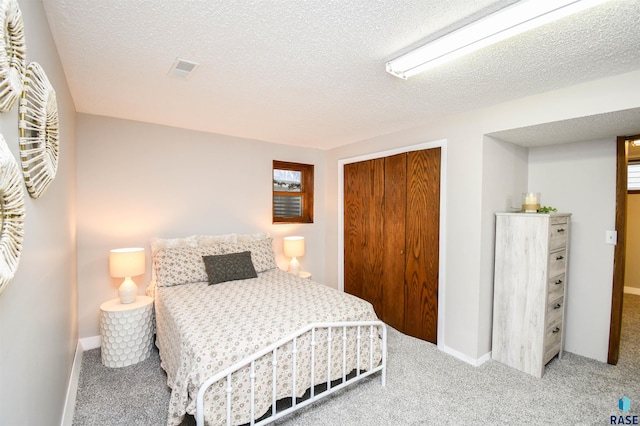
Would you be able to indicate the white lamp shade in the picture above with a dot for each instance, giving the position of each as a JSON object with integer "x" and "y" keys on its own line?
{"x": 126, "y": 262}
{"x": 294, "y": 246}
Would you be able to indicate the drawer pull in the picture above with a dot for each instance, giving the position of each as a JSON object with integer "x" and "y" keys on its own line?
{"x": 558, "y": 282}
{"x": 559, "y": 257}
{"x": 556, "y": 330}
{"x": 560, "y": 230}
{"x": 558, "y": 306}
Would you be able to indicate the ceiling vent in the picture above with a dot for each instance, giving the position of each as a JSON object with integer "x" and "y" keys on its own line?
{"x": 182, "y": 68}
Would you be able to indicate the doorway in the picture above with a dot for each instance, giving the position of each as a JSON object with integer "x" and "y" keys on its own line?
{"x": 619, "y": 257}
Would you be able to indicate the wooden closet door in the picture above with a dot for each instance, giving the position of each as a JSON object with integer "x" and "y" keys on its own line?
{"x": 391, "y": 238}
{"x": 422, "y": 244}
{"x": 393, "y": 283}
{"x": 363, "y": 230}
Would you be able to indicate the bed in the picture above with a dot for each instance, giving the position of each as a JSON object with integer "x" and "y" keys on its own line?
{"x": 267, "y": 335}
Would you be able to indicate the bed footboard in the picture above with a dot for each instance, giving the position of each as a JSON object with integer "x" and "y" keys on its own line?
{"x": 374, "y": 331}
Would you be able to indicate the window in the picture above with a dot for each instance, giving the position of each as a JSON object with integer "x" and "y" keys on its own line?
{"x": 633, "y": 176}
{"x": 292, "y": 192}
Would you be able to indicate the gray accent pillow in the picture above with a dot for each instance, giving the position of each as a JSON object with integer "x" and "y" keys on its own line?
{"x": 229, "y": 267}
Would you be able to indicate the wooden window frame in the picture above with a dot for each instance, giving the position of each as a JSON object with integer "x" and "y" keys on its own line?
{"x": 306, "y": 192}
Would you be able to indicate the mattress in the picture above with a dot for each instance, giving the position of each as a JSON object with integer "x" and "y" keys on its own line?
{"x": 203, "y": 329}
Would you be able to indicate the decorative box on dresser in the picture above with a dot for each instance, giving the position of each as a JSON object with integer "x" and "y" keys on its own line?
{"x": 530, "y": 287}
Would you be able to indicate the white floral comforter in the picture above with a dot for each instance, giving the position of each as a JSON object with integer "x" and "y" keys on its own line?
{"x": 203, "y": 329}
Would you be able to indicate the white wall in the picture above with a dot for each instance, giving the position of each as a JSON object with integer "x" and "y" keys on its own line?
{"x": 580, "y": 178}
{"x": 504, "y": 179}
{"x": 137, "y": 181}
{"x": 468, "y": 308}
{"x": 38, "y": 331}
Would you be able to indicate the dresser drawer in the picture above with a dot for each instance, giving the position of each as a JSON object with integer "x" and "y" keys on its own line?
{"x": 555, "y": 288}
{"x": 558, "y": 236}
{"x": 557, "y": 262}
{"x": 552, "y": 341}
{"x": 557, "y": 220}
{"x": 554, "y": 311}
{"x": 551, "y": 352}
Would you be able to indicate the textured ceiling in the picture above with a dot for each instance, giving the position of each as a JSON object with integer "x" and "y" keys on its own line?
{"x": 311, "y": 73}
{"x": 590, "y": 128}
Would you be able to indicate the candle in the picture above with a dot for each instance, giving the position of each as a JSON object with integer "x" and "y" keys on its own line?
{"x": 530, "y": 202}
{"x": 531, "y": 198}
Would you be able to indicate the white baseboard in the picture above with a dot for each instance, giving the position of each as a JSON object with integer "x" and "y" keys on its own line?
{"x": 72, "y": 389}
{"x": 89, "y": 343}
{"x": 476, "y": 362}
{"x": 632, "y": 290}
{"x": 484, "y": 358}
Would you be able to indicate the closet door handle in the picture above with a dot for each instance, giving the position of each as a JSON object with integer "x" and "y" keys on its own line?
{"x": 560, "y": 230}
{"x": 556, "y": 330}
{"x": 558, "y": 306}
{"x": 559, "y": 257}
{"x": 558, "y": 282}
{"x": 401, "y": 251}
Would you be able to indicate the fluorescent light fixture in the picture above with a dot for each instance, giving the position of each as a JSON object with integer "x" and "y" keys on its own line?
{"x": 508, "y": 22}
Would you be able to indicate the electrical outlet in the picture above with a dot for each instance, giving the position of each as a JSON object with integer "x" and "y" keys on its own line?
{"x": 611, "y": 237}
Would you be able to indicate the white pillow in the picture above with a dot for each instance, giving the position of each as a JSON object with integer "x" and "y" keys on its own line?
{"x": 206, "y": 240}
{"x": 253, "y": 237}
{"x": 261, "y": 250}
{"x": 182, "y": 265}
{"x": 164, "y": 243}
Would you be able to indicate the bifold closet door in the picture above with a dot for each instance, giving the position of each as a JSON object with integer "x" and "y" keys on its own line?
{"x": 363, "y": 230}
{"x": 393, "y": 283}
{"x": 391, "y": 238}
{"x": 422, "y": 228}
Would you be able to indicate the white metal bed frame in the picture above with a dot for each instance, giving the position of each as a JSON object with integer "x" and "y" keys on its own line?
{"x": 372, "y": 326}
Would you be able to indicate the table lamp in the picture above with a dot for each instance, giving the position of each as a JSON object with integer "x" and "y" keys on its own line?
{"x": 126, "y": 263}
{"x": 293, "y": 248}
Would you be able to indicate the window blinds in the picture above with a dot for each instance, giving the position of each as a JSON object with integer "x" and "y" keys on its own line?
{"x": 633, "y": 177}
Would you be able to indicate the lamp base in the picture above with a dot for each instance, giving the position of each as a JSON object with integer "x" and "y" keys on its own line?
{"x": 294, "y": 266}
{"x": 127, "y": 291}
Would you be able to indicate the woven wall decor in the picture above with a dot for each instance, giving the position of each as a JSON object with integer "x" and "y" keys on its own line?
{"x": 12, "y": 214}
{"x": 38, "y": 125}
{"x": 12, "y": 53}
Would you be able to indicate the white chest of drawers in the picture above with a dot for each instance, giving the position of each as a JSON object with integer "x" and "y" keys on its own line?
{"x": 530, "y": 287}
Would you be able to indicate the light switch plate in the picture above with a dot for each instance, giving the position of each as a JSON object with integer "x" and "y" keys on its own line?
{"x": 611, "y": 237}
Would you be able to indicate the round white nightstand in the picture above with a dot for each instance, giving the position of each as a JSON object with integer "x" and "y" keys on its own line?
{"x": 127, "y": 331}
{"x": 304, "y": 274}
